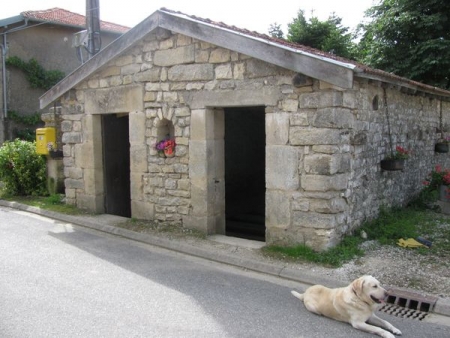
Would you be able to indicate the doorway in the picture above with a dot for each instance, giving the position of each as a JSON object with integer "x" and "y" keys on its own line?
{"x": 245, "y": 184}
{"x": 116, "y": 164}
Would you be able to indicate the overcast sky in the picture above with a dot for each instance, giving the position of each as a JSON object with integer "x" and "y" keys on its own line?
{"x": 248, "y": 14}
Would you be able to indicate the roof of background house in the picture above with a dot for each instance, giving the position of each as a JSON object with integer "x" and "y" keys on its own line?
{"x": 298, "y": 58}
{"x": 62, "y": 17}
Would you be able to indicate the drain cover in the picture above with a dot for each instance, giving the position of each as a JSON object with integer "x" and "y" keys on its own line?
{"x": 402, "y": 312}
{"x": 406, "y": 304}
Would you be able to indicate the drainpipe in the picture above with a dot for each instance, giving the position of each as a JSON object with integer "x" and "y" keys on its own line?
{"x": 4, "y": 48}
{"x": 5, "y": 105}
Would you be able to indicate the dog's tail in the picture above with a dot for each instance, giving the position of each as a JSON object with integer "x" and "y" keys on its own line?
{"x": 298, "y": 295}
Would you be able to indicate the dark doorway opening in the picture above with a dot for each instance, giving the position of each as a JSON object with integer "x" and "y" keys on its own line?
{"x": 245, "y": 184}
{"x": 116, "y": 164}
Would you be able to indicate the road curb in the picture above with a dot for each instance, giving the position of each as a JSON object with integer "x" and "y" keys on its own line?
{"x": 442, "y": 306}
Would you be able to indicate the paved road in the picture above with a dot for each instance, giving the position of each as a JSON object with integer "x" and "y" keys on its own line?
{"x": 59, "y": 280}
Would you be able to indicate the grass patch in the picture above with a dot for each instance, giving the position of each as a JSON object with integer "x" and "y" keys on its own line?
{"x": 387, "y": 229}
{"x": 52, "y": 203}
{"x": 394, "y": 224}
{"x": 333, "y": 257}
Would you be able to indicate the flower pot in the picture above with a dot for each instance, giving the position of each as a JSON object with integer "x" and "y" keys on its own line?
{"x": 169, "y": 152}
{"x": 441, "y": 147}
{"x": 444, "y": 193}
{"x": 391, "y": 165}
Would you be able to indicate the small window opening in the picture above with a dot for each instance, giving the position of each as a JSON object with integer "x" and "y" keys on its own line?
{"x": 375, "y": 103}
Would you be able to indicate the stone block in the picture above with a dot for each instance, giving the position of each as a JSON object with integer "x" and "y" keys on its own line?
{"x": 313, "y": 220}
{"x": 220, "y": 55}
{"x": 289, "y": 105}
{"x": 93, "y": 181}
{"x": 92, "y": 203}
{"x": 330, "y": 99}
{"x": 277, "y": 128}
{"x": 329, "y": 206}
{"x": 323, "y": 164}
{"x": 282, "y": 168}
{"x": 257, "y": 68}
{"x": 136, "y": 186}
{"x": 115, "y": 100}
{"x": 138, "y": 158}
{"x": 175, "y": 56}
{"x": 333, "y": 118}
{"x": 324, "y": 182}
{"x": 137, "y": 127}
{"x": 310, "y": 137}
{"x": 278, "y": 209}
{"x": 87, "y": 157}
{"x": 142, "y": 210}
{"x": 194, "y": 72}
{"x": 223, "y": 72}
{"x": 299, "y": 119}
{"x": 73, "y": 184}
{"x": 71, "y": 137}
{"x": 309, "y": 100}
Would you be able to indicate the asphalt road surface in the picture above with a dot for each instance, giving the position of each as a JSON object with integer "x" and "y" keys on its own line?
{"x": 60, "y": 280}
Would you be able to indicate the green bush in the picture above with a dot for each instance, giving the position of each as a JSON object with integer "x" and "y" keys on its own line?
{"x": 22, "y": 170}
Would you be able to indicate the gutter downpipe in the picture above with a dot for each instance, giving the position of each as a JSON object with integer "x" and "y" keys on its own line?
{"x": 5, "y": 105}
{"x": 4, "y": 50}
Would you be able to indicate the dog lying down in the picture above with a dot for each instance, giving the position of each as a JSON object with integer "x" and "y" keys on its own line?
{"x": 354, "y": 304}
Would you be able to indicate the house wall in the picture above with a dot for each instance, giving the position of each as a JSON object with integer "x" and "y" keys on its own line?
{"x": 51, "y": 46}
{"x": 323, "y": 143}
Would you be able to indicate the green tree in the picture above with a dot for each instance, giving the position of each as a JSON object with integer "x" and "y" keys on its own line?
{"x": 409, "y": 38}
{"x": 329, "y": 36}
{"x": 275, "y": 31}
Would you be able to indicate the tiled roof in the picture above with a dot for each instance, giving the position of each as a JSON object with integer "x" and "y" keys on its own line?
{"x": 360, "y": 68}
{"x": 296, "y": 57}
{"x": 64, "y": 17}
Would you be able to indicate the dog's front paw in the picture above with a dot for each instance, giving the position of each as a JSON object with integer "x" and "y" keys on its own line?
{"x": 396, "y": 331}
{"x": 386, "y": 334}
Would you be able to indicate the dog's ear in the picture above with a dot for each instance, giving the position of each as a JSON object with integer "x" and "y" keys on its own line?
{"x": 357, "y": 285}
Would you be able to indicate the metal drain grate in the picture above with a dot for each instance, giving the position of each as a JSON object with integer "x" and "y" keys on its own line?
{"x": 402, "y": 312}
{"x": 406, "y": 304}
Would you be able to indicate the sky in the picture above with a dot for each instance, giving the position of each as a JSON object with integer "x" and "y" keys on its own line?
{"x": 247, "y": 14}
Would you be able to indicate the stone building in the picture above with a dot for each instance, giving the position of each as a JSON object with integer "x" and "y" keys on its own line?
{"x": 274, "y": 141}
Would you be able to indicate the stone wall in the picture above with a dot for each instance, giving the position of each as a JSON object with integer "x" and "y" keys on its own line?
{"x": 323, "y": 143}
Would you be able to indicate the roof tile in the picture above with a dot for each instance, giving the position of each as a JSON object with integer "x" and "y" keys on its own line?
{"x": 62, "y": 16}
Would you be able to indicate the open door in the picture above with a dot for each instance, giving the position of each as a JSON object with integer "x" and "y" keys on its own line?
{"x": 245, "y": 184}
{"x": 116, "y": 164}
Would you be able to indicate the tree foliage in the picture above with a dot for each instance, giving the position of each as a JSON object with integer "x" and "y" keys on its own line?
{"x": 275, "y": 31}
{"x": 329, "y": 36}
{"x": 409, "y": 38}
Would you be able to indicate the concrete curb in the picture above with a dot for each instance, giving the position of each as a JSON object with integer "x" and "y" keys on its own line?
{"x": 442, "y": 306}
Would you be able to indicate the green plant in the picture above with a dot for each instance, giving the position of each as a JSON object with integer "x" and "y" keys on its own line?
{"x": 30, "y": 120}
{"x": 54, "y": 199}
{"x": 445, "y": 140}
{"x": 436, "y": 178}
{"x": 393, "y": 224}
{"x": 35, "y": 73}
{"x": 22, "y": 170}
{"x": 336, "y": 256}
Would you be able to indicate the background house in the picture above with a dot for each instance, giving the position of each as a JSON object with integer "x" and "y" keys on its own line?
{"x": 45, "y": 36}
{"x": 274, "y": 141}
